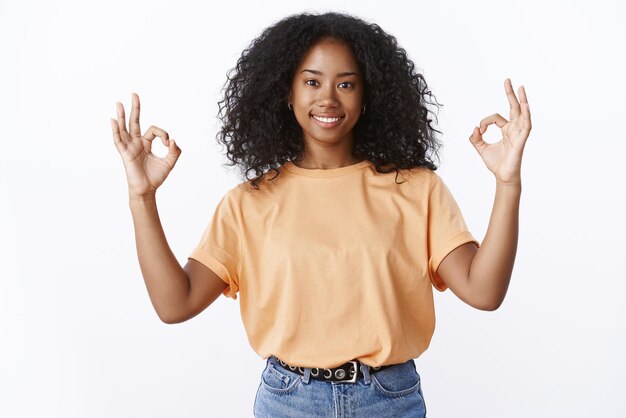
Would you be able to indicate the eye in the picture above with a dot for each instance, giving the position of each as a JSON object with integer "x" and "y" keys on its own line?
{"x": 345, "y": 84}
{"x": 311, "y": 82}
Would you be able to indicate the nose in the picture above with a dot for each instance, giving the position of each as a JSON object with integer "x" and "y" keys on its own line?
{"x": 327, "y": 96}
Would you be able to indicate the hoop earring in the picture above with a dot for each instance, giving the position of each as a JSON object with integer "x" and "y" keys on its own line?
{"x": 363, "y": 111}
{"x": 290, "y": 106}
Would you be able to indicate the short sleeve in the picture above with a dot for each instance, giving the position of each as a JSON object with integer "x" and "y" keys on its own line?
{"x": 446, "y": 229}
{"x": 219, "y": 245}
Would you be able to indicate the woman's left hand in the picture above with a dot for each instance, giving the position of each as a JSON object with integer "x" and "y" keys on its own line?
{"x": 504, "y": 158}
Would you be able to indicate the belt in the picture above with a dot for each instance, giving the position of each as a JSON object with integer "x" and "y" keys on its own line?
{"x": 338, "y": 374}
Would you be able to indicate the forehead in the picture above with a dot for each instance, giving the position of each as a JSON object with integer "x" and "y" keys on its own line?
{"x": 331, "y": 54}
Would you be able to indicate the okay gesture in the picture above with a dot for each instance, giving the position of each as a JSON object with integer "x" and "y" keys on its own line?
{"x": 504, "y": 158}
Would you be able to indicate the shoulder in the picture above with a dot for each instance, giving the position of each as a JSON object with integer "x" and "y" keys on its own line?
{"x": 421, "y": 178}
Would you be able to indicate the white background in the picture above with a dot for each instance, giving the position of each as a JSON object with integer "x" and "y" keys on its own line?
{"x": 79, "y": 336}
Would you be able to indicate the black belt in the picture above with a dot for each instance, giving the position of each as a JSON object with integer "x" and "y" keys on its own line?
{"x": 346, "y": 373}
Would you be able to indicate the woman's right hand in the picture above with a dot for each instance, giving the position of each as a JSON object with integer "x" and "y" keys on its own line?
{"x": 145, "y": 171}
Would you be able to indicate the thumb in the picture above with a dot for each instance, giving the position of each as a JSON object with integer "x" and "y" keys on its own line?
{"x": 173, "y": 153}
{"x": 477, "y": 140}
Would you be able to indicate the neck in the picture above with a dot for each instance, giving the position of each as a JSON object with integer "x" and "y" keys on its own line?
{"x": 319, "y": 155}
{"x": 316, "y": 162}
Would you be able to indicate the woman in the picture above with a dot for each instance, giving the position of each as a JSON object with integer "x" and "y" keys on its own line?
{"x": 333, "y": 259}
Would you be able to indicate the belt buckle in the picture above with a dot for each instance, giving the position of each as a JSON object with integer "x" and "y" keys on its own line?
{"x": 353, "y": 378}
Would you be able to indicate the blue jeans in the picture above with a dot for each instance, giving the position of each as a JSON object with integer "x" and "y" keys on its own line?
{"x": 392, "y": 392}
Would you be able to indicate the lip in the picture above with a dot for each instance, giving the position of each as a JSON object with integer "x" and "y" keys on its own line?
{"x": 328, "y": 124}
{"x": 328, "y": 115}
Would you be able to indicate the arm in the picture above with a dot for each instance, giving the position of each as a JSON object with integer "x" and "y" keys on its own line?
{"x": 480, "y": 277}
{"x": 177, "y": 294}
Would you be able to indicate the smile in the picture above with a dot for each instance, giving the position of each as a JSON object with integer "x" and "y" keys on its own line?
{"x": 327, "y": 122}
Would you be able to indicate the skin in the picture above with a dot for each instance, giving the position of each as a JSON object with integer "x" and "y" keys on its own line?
{"x": 327, "y": 83}
{"x": 478, "y": 276}
{"x": 176, "y": 293}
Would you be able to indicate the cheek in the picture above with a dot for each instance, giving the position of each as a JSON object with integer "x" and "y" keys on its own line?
{"x": 356, "y": 101}
{"x": 302, "y": 117}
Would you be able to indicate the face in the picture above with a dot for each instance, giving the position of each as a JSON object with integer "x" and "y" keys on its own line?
{"x": 327, "y": 93}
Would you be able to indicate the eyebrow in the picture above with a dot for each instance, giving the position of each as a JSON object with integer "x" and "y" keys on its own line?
{"x": 344, "y": 74}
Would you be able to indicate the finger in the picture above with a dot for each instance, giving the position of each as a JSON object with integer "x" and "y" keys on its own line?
{"x": 477, "y": 140}
{"x": 121, "y": 121}
{"x": 117, "y": 137}
{"x": 513, "y": 102}
{"x": 153, "y": 131}
{"x": 135, "y": 130}
{"x": 495, "y": 118}
{"x": 524, "y": 104}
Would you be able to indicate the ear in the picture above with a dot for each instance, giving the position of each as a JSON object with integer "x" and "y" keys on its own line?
{"x": 289, "y": 99}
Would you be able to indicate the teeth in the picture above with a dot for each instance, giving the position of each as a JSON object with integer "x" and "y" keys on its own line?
{"x": 326, "y": 120}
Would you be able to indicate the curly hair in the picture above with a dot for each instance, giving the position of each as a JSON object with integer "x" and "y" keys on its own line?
{"x": 261, "y": 133}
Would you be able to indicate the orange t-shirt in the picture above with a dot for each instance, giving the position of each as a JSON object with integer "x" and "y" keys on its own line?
{"x": 336, "y": 264}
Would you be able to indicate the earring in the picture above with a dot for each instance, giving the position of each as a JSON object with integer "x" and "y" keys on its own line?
{"x": 290, "y": 106}
{"x": 363, "y": 111}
